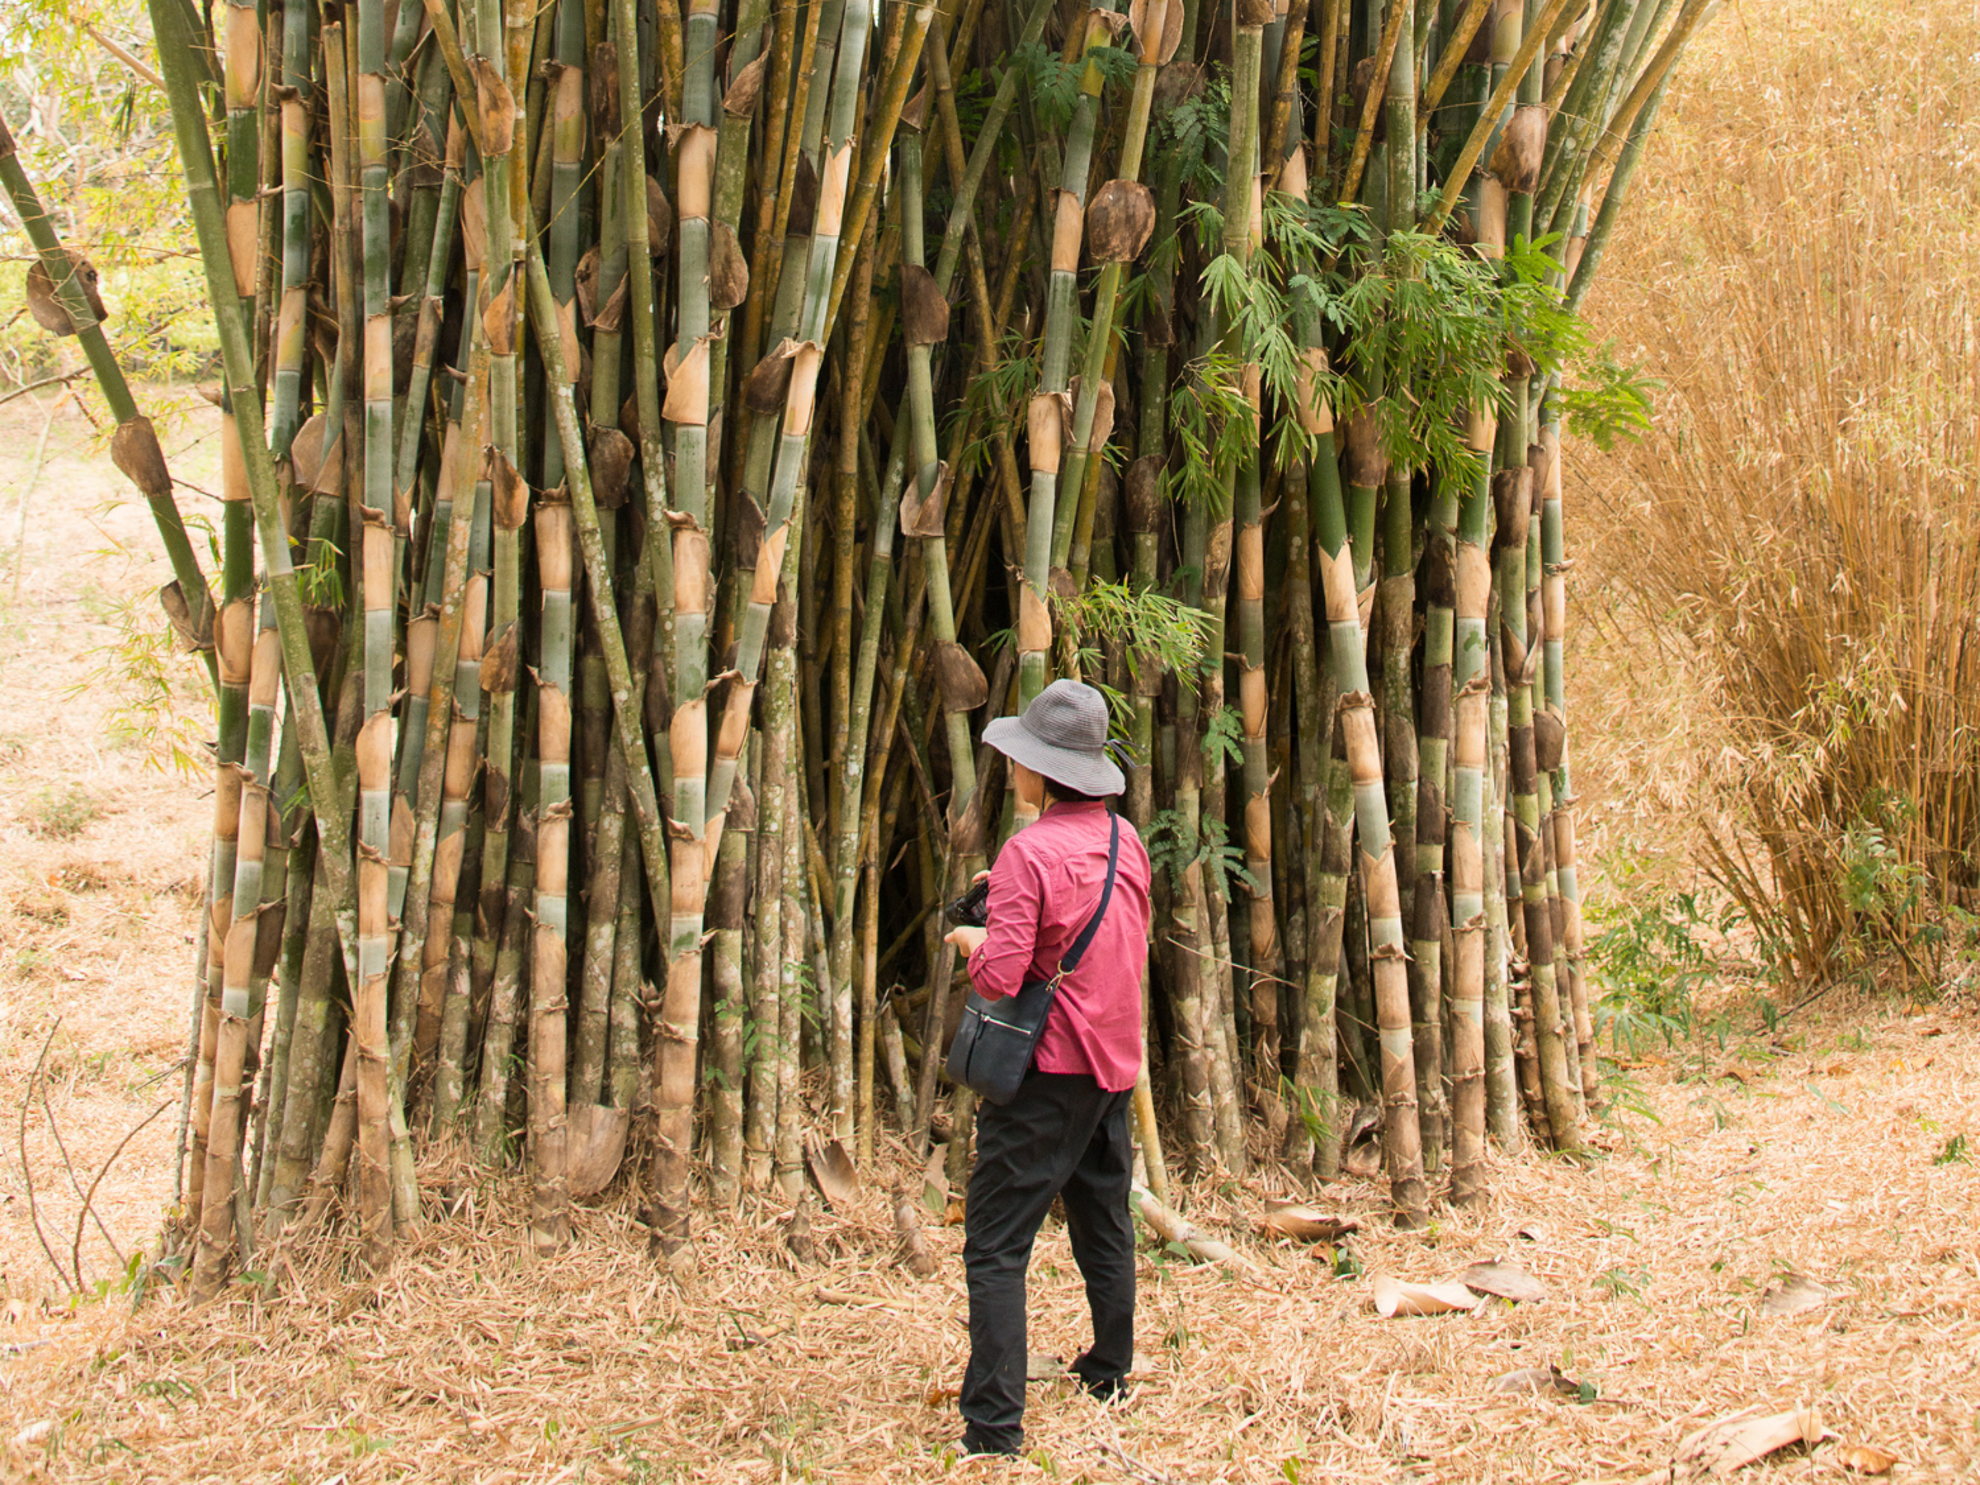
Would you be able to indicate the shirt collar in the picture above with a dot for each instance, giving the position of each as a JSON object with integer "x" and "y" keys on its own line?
{"x": 1077, "y": 807}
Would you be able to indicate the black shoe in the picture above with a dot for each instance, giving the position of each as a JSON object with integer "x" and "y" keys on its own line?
{"x": 1106, "y": 1388}
{"x": 972, "y": 1445}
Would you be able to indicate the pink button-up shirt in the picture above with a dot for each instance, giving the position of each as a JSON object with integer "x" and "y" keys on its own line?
{"x": 1044, "y": 887}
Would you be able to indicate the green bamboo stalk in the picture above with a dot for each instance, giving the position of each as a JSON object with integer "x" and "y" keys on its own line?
{"x": 1544, "y": 779}
{"x": 928, "y": 480}
{"x": 1613, "y": 197}
{"x": 1471, "y": 854}
{"x": 1391, "y": 48}
{"x": 1561, "y": 825}
{"x": 806, "y": 352}
{"x": 1530, "y": 854}
{"x": 1517, "y": 70}
{"x": 421, "y": 628}
{"x": 698, "y": 806}
{"x": 686, "y": 412}
{"x": 1578, "y": 123}
{"x": 760, "y": 1120}
{"x": 293, "y": 315}
{"x": 329, "y": 799}
{"x": 1502, "y": 1084}
{"x": 1449, "y": 60}
{"x": 1100, "y": 340}
{"x": 1242, "y": 205}
{"x": 548, "y": 1144}
{"x": 217, "y": 1228}
{"x": 1347, "y": 648}
{"x": 379, "y": 589}
{"x": 904, "y": 55}
{"x": 1050, "y": 408}
{"x": 298, "y": 843}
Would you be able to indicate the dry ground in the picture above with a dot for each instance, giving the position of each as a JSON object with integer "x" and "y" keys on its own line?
{"x": 1823, "y": 1151}
{"x": 100, "y": 842}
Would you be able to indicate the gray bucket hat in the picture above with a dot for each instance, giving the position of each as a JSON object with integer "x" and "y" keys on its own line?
{"x": 1062, "y": 735}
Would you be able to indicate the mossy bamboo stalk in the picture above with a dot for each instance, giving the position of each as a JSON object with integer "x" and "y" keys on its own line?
{"x": 217, "y": 1230}
{"x": 549, "y": 1133}
{"x": 806, "y": 354}
{"x": 1050, "y": 408}
{"x": 760, "y": 1121}
{"x": 781, "y": 676}
{"x": 448, "y": 756}
{"x": 1471, "y": 854}
{"x": 500, "y": 72}
{"x": 1401, "y": 1136}
{"x": 928, "y": 478}
{"x": 328, "y": 795}
{"x": 1580, "y": 121}
{"x": 1449, "y": 60}
{"x": 1551, "y": 1052}
{"x": 1502, "y": 1092}
{"x": 1386, "y": 53}
{"x": 1430, "y": 977}
{"x": 1100, "y": 342}
{"x": 1489, "y": 117}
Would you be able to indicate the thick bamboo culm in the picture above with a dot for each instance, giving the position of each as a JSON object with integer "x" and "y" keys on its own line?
{"x": 684, "y": 427}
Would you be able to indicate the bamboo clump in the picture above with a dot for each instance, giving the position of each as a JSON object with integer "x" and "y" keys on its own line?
{"x": 670, "y": 435}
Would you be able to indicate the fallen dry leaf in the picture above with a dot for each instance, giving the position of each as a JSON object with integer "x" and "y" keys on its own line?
{"x": 34, "y": 1433}
{"x": 1392, "y": 1297}
{"x": 1722, "y": 1447}
{"x": 1548, "y": 1378}
{"x": 1794, "y": 1294}
{"x": 935, "y": 1182}
{"x": 1505, "y": 1280}
{"x": 1533, "y": 1232}
{"x": 832, "y": 1169}
{"x": 1866, "y": 1459}
{"x": 1308, "y": 1224}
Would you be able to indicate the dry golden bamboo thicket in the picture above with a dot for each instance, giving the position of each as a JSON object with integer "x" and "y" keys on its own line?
{"x": 1802, "y": 525}
{"x": 661, "y": 438}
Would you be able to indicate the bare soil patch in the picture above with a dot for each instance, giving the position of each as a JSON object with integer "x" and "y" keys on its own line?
{"x": 101, "y": 844}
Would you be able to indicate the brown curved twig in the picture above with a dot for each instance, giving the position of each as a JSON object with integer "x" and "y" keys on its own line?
{"x": 75, "y": 1250}
{"x": 27, "y": 1174}
{"x": 75, "y": 1182}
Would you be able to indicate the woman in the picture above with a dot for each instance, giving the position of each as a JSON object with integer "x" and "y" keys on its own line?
{"x": 1066, "y": 1131}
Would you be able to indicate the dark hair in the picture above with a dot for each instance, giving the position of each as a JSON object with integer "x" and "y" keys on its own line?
{"x": 1064, "y": 795}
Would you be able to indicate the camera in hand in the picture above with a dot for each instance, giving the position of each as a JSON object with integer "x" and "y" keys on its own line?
{"x": 972, "y": 909}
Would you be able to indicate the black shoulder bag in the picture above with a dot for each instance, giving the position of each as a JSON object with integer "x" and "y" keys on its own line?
{"x": 997, "y": 1039}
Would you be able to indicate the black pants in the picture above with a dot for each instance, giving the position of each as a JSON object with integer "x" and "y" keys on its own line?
{"x": 1063, "y": 1133}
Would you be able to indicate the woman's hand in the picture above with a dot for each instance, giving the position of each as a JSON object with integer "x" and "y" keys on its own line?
{"x": 967, "y": 939}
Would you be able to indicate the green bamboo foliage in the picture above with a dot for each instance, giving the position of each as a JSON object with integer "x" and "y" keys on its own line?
{"x": 1050, "y": 410}
{"x": 840, "y": 493}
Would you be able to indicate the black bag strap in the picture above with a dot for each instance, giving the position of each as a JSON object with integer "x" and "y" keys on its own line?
{"x": 1069, "y": 961}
